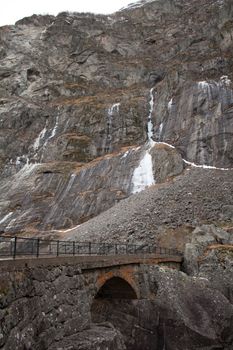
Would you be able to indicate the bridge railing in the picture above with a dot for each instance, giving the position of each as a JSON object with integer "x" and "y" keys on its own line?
{"x": 37, "y": 247}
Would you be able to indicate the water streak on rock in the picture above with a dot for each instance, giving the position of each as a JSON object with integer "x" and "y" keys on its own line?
{"x": 6, "y": 217}
{"x": 40, "y": 138}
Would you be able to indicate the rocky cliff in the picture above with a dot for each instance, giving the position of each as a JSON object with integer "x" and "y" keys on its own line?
{"x": 90, "y": 106}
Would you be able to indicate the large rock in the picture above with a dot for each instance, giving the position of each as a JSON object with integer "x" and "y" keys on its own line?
{"x": 203, "y": 237}
{"x": 167, "y": 162}
{"x": 186, "y": 313}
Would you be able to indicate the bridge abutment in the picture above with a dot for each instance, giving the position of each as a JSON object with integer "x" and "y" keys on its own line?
{"x": 46, "y": 303}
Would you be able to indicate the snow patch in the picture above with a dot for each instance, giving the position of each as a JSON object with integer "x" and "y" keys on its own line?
{"x": 203, "y": 166}
{"x": 136, "y": 5}
{"x": 225, "y": 80}
{"x": 165, "y": 143}
{"x": 68, "y": 230}
{"x": 125, "y": 155}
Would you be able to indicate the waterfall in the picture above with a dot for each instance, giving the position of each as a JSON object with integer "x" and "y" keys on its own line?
{"x": 53, "y": 132}
{"x": 143, "y": 175}
{"x": 170, "y": 103}
{"x": 113, "y": 108}
{"x": 111, "y": 111}
{"x": 149, "y": 120}
{"x": 38, "y": 140}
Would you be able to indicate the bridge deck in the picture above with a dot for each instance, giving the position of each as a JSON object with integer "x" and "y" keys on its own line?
{"x": 89, "y": 262}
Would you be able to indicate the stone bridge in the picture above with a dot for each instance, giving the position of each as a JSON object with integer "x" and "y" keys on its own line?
{"x": 48, "y": 301}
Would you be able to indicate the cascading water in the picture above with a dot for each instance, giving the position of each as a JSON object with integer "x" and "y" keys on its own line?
{"x": 143, "y": 175}
{"x": 53, "y": 131}
{"x": 111, "y": 111}
{"x": 149, "y": 120}
{"x": 39, "y": 139}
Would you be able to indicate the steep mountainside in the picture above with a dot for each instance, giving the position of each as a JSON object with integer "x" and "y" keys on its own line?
{"x": 120, "y": 128}
{"x": 92, "y": 106}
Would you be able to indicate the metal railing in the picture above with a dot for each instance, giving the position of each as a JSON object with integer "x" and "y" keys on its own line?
{"x": 38, "y": 247}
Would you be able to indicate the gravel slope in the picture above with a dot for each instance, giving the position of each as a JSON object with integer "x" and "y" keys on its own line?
{"x": 198, "y": 196}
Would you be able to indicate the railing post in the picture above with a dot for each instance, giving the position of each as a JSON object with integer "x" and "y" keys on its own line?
{"x": 126, "y": 248}
{"x": 89, "y": 248}
{"x": 15, "y": 248}
{"x": 57, "y": 248}
{"x": 116, "y": 251}
{"x": 32, "y": 246}
{"x": 73, "y": 247}
{"x": 38, "y": 247}
{"x": 11, "y": 248}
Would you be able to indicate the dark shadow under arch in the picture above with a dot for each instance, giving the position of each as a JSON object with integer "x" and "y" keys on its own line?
{"x": 116, "y": 288}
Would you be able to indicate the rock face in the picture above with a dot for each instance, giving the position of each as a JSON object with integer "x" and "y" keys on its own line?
{"x": 61, "y": 193}
{"x": 80, "y": 92}
{"x": 95, "y": 109}
{"x": 209, "y": 256}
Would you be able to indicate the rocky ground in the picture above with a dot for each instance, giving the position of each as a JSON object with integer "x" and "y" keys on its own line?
{"x": 165, "y": 214}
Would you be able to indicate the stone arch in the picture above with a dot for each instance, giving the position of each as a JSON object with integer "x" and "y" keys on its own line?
{"x": 125, "y": 275}
{"x": 111, "y": 294}
{"x": 116, "y": 288}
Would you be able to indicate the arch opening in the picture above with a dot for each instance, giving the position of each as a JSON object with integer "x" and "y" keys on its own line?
{"x": 118, "y": 303}
{"x": 116, "y": 288}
